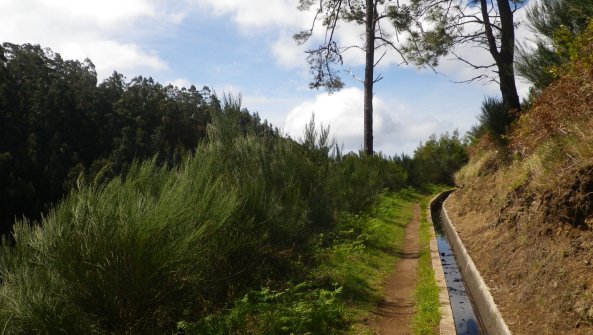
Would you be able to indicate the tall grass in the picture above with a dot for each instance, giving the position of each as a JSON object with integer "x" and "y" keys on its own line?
{"x": 160, "y": 245}
{"x": 427, "y": 316}
{"x": 128, "y": 257}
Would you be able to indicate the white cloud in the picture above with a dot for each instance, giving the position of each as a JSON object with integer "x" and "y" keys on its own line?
{"x": 99, "y": 30}
{"x": 396, "y": 127}
{"x": 288, "y": 53}
{"x": 180, "y": 83}
{"x": 255, "y": 13}
{"x": 110, "y": 55}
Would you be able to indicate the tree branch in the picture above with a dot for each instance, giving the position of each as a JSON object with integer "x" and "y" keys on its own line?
{"x": 472, "y": 65}
{"x": 394, "y": 47}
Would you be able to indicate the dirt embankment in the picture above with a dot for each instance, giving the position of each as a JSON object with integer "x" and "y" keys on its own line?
{"x": 534, "y": 248}
{"x": 525, "y": 211}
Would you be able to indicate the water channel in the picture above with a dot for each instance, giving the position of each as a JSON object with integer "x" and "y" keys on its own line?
{"x": 465, "y": 316}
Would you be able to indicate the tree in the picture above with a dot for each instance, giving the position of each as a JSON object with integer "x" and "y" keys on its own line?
{"x": 323, "y": 59}
{"x": 437, "y": 160}
{"x": 442, "y": 25}
{"x": 556, "y": 23}
{"x": 56, "y": 123}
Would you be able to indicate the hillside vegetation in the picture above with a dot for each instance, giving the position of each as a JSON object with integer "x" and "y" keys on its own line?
{"x": 524, "y": 206}
{"x": 129, "y": 207}
{"x": 59, "y": 125}
{"x": 57, "y": 121}
{"x": 160, "y": 245}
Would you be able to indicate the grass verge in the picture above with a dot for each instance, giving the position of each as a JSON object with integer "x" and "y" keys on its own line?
{"x": 427, "y": 316}
{"x": 344, "y": 287}
{"x": 361, "y": 268}
{"x": 339, "y": 292}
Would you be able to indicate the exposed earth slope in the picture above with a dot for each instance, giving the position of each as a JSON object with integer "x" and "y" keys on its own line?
{"x": 525, "y": 213}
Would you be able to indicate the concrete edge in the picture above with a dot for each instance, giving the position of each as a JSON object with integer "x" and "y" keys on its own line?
{"x": 489, "y": 314}
{"x": 446, "y": 324}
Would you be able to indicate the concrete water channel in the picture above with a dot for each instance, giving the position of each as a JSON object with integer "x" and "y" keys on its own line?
{"x": 467, "y": 321}
{"x": 473, "y": 308}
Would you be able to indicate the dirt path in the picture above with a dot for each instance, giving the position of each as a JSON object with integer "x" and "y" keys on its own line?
{"x": 394, "y": 314}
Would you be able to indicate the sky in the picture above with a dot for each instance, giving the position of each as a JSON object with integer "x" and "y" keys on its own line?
{"x": 246, "y": 47}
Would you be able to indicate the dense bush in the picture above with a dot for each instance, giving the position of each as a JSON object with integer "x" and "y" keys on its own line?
{"x": 359, "y": 178}
{"x": 495, "y": 119}
{"x": 129, "y": 257}
{"x": 436, "y": 160}
{"x": 165, "y": 244}
{"x": 494, "y": 123}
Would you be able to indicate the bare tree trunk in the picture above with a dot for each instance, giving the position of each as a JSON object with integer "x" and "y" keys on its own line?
{"x": 369, "y": 77}
{"x": 504, "y": 58}
{"x": 508, "y": 88}
{"x": 506, "y": 61}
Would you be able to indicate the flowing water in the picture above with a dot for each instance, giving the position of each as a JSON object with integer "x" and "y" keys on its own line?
{"x": 465, "y": 316}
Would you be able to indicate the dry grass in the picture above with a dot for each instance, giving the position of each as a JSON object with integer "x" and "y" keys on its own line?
{"x": 565, "y": 108}
{"x": 478, "y": 165}
{"x": 553, "y": 138}
{"x": 566, "y": 103}
{"x": 520, "y": 207}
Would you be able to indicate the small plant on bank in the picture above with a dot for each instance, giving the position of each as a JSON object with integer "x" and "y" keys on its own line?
{"x": 495, "y": 119}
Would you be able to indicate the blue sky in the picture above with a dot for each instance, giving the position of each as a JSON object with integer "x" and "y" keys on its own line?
{"x": 237, "y": 46}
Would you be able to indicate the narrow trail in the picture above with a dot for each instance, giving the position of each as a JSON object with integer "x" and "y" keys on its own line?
{"x": 394, "y": 313}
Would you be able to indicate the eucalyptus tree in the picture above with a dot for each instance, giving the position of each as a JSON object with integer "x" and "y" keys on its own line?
{"x": 441, "y": 27}
{"x": 327, "y": 58}
{"x": 57, "y": 124}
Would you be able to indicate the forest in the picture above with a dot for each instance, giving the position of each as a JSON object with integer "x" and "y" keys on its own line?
{"x": 132, "y": 207}
{"x": 58, "y": 124}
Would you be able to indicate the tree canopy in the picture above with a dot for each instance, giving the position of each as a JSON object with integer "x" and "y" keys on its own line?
{"x": 57, "y": 124}
{"x": 556, "y": 23}
{"x": 438, "y": 28}
{"x": 378, "y": 18}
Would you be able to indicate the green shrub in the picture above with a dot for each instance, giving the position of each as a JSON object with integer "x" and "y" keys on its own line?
{"x": 436, "y": 160}
{"x": 129, "y": 257}
{"x": 298, "y": 309}
{"x": 360, "y": 178}
{"x": 158, "y": 245}
{"x": 495, "y": 118}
